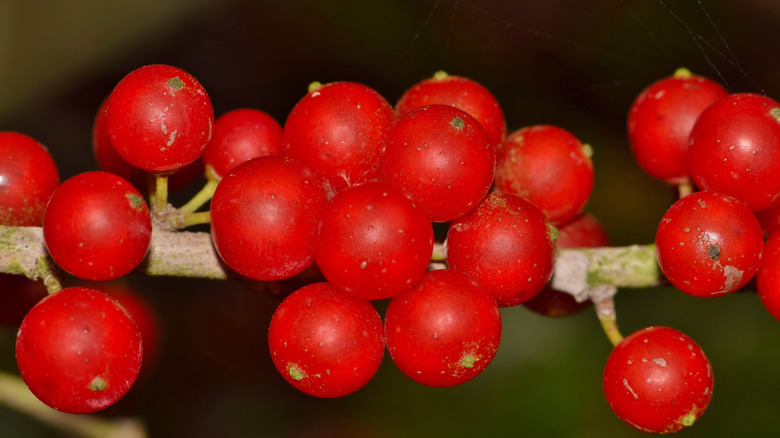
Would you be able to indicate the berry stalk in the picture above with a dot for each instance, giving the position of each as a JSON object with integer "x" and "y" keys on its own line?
{"x": 200, "y": 199}
{"x": 603, "y": 301}
{"x": 161, "y": 193}
{"x": 14, "y": 394}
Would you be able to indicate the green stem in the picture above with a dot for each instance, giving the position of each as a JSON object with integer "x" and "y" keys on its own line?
{"x": 684, "y": 189}
{"x": 682, "y": 72}
{"x": 604, "y": 303}
{"x": 14, "y": 394}
{"x": 161, "y": 193}
{"x": 191, "y": 219}
{"x": 200, "y": 198}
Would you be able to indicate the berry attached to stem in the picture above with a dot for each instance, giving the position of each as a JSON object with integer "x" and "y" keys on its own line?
{"x": 658, "y": 380}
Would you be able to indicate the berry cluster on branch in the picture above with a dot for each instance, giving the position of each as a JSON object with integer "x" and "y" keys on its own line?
{"x": 345, "y": 195}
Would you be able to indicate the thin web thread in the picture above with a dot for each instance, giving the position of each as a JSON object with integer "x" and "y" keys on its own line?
{"x": 732, "y": 57}
{"x": 416, "y": 36}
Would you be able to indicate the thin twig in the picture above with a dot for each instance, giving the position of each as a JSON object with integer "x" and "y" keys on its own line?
{"x": 14, "y": 394}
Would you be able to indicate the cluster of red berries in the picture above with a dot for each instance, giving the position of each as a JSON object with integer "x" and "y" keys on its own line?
{"x": 355, "y": 190}
{"x": 350, "y": 188}
{"x": 720, "y": 149}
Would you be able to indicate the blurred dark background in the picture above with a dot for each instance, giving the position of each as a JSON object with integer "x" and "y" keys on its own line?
{"x": 575, "y": 64}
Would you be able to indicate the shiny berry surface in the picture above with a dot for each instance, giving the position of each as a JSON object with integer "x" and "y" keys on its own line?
{"x": 143, "y": 313}
{"x": 658, "y": 380}
{"x": 709, "y": 244}
{"x": 548, "y": 166}
{"x": 78, "y": 350}
{"x": 28, "y": 176}
{"x": 443, "y": 157}
{"x": 444, "y": 331}
{"x": 97, "y": 226}
{"x": 506, "y": 245}
{"x": 264, "y": 217}
{"x": 108, "y": 159}
{"x": 735, "y": 149}
{"x": 159, "y": 118}
{"x": 324, "y": 342}
{"x": 460, "y": 92}
{"x": 337, "y": 130}
{"x": 240, "y": 135}
{"x": 373, "y": 241}
{"x": 660, "y": 121}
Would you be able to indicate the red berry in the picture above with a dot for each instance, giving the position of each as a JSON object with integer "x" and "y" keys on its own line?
{"x": 108, "y": 159}
{"x": 658, "y": 380}
{"x": 97, "y": 226}
{"x": 460, "y": 92}
{"x": 78, "y": 350}
{"x": 264, "y": 217}
{"x": 159, "y": 118}
{"x": 144, "y": 315}
{"x": 506, "y": 245}
{"x": 584, "y": 231}
{"x": 768, "y": 275}
{"x": 373, "y": 241}
{"x": 444, "y": 331}
{"x": 324, "y": 342}
{"x": 548, "y": 166}
{"x": 240, "y": 135}
{"x": 337, "y": 130}
{"x": 28, "y": 176}
{"x": 735, "y": 149}
{"x": 709, "y": 244}
{"x": 660, "y": 122}
{"x": 769, "y": 219}
{"x": 443, "y": 157}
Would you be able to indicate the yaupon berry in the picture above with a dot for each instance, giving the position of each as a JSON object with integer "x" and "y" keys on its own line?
{"x": 709, "y": 244}
{"x": 444, "y": 331}
{"x": 441, "y": 156}
{"x": 108, "y": 159}
{"x": 658, "y": 380}
{"x": 735, "y": 149}
{"x": 460, "y": 92}
{"x": 240, "y": 135}
{"x": 660, "y": 121}
{"x": 159, "y": 118}
{"x": 97, "y": 226}
{"x": 78, "y": 350}
{"x": 550, "y": 167}
{"x": 324, "y": 342}
{"x": 337, "y": 130}
{"x": 264, "y": 217}
{"x": 28, "y": 176}
{"x": 373, "y": 241}
{"x": 506, "y": 245}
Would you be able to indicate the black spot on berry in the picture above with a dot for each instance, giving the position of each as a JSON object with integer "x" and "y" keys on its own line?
{"x": 713, "y": 252}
